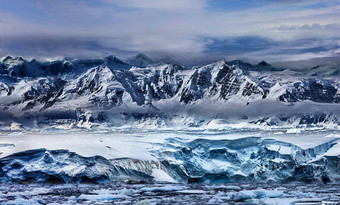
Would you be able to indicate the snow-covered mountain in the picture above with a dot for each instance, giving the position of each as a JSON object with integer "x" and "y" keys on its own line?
{"x": 140, "y": 92}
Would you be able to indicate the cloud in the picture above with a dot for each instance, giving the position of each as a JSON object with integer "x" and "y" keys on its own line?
{"x": 72, "y": 47}
{"x": 266, "y": 29}
{"x": 314, "y": 26}
{"x": 254, "y": 49}
{"x": 173, "y": 5}
{"x": 238, "y": 45}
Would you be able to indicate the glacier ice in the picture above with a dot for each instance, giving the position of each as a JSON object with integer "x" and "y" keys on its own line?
{"x": 247, "y": 160}
{"x": 62, "y": 166}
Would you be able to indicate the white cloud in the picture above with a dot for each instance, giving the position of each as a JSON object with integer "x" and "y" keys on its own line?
{"x": 173, "y": 26}
{"x": 173, "y": 5}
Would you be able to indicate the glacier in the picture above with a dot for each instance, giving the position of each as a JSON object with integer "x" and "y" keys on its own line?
{"x": 169, "y": 167}
{"x": 248, "y": 160}
{"x": 168, "y": 156}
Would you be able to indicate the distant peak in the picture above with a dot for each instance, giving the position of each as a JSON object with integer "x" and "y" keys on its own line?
{"x": 140, "y": 60}
{"x": 241, "y": 64}
{"x": 264, "y": 66}
{"x": 112, "y": 58}
{"x": 142, "y": 56}
{"x": 6, "y": 58}
{"x": 263, "y": 63}
{"x": 115, "y": 63}
{"x": 33, "y": 60}
{"x": 10, "y": 60}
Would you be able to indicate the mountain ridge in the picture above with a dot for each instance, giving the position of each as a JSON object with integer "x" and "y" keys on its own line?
{"x": 109, "y": 85}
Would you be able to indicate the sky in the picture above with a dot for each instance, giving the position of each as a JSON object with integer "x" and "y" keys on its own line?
{"x": 300, "y": 32}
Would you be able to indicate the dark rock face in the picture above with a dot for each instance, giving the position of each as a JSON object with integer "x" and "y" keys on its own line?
{"x": 194, "y": 90}
{"x": 250, "y": 89}
{"x": 45, "y": 93}
{"x": 314, "y": 90}
{"x": 228, "y": 82}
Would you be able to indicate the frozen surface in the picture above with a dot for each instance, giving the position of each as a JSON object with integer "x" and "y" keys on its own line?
{"x": 135, "y": 143}
{"x": 185, "y": 156}
{"x": 289, "y": 194}
{"x": 127, "y": 166}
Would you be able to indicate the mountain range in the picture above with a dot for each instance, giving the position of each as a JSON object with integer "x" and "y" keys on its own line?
{"x": 143, "y": 92}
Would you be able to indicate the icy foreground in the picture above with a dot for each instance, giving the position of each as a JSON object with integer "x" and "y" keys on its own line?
{"x": 167, "y": 156}
{"x": 285, "y": 194}
{"x": 167, "y": 167}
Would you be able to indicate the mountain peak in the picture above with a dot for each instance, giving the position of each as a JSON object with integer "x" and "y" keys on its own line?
{"x": 142, "y": 56}
{"x": 263, "y": 63}
{"x": 264, "y": 66}
{"x": 115, "y": 63}
{"x": 5, "y": 58}
{"x": 242, "y": 65}
{"x": 10, "y": 59}
{"x": 112, "y": 58}
{"x": 140, "y": 60}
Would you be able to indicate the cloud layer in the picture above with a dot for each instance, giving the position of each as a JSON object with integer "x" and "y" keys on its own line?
{"x": 187, "y": 30}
